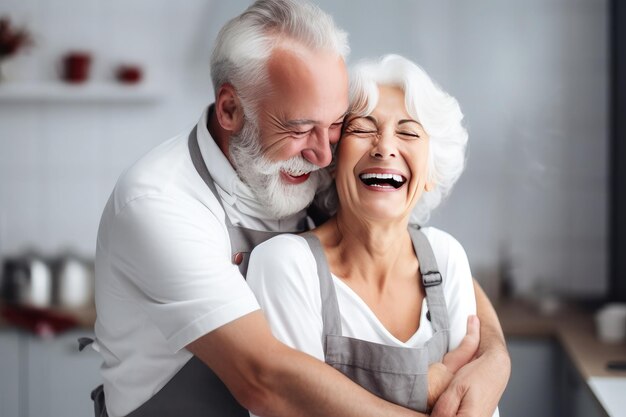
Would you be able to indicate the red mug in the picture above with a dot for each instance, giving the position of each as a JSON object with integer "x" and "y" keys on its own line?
{"x": 129, "y": 74}
{"x": 76, "y": 67}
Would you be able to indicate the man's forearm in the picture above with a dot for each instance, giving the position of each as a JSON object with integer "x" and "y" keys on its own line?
{"x": 491, "y": 335}
{"x": 271, "y": 379}
{"x": 310, "y": 388}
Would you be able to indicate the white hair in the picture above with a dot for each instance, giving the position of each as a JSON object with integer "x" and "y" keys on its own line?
{"x": 437, "y": 111}
{"x": 245, "y": 43}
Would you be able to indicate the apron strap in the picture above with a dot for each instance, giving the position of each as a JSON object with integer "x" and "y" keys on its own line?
{"x": 198, "y": 163}
{"x": 83, "y": 342}
{"x": 431, "y": 278}
{"x": 242, "y": 240}
{"x": 331, "y": 318}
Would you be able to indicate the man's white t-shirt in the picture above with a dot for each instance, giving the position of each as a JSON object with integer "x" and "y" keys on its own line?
{"x": 283, "y": 275}
{"x": 164, "y": 275}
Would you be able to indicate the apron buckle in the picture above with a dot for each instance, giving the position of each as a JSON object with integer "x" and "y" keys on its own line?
{"x": 431, "y": 278}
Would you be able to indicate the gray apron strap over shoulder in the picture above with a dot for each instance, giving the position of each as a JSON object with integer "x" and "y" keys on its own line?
{"x": 242, "y": 240}
{"x": 435, "y": 300}
{"x": 331, "y": 318}
{"x": 395, "y": 373}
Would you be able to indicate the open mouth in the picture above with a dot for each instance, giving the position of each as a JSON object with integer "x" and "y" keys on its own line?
{"x": 389, "y": 181}
{"x": 295, "y": 177}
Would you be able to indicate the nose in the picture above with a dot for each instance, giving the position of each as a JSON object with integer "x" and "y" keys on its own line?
{"x": 382, "y": 147}
{"x": 318, "y": 150}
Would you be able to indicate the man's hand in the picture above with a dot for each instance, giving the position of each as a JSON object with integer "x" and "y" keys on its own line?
{"x": 440, "y": 374}
{"x": 477, "y": 387}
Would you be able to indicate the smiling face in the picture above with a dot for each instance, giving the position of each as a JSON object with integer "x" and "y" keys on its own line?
{"x": 280, "y": 153}
{"x": 383, "y": 160}
{"x": 304, "y": 110}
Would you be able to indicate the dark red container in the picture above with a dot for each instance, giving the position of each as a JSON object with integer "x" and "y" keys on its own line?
{"x": 76, "y": 66}
{"x": 129, "y": 74}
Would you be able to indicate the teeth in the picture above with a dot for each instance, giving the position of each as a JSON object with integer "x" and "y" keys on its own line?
{"x": 395, "y": 177}
{"x": 297, "y": 173}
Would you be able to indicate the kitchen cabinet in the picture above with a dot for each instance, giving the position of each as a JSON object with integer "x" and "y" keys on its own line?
{"x": 545, "y": 383}
{"x": 60, "y": 378}
{"x": 575, "y": 397}
{"x": 10, "y": 375}
{"x": 533, "y": 387}
{"x": 46, "y": 377}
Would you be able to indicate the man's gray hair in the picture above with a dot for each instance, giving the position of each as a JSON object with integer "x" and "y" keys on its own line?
{"x": 245, "y": 43}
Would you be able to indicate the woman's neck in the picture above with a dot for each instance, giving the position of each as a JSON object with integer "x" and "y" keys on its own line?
{"x": 368, "y": 251}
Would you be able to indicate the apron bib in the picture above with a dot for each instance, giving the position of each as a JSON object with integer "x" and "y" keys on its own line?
{"x": 394, "y": 373}
{"x": 195, "y": 390}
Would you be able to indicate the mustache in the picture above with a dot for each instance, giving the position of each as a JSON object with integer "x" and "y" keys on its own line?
{"x": 294, "y": 164}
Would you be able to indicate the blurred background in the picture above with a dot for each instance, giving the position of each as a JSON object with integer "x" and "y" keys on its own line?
{"x": 92, "y": 85}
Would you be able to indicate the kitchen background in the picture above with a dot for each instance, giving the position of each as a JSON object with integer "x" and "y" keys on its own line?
{"x": 532, "y": 78}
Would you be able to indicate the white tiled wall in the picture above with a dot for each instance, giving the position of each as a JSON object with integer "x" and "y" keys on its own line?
{"x": 531, "y": 78}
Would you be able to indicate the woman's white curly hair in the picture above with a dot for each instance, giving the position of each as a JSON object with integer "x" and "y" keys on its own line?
{"x": 437, "y": 111}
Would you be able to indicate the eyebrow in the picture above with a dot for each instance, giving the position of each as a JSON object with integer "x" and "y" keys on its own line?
{"x": 403, "y": 121}
{"x": 369, "y": 117}
{"x": 300, "y": 122}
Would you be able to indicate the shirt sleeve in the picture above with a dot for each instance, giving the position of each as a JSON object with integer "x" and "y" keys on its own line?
{"x": 283, "y": 275}
{"x": 174, "y": 259}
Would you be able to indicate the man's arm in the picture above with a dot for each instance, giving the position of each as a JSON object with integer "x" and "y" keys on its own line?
{"x": 477, "y": 387}
{"x": 271, "y": 379}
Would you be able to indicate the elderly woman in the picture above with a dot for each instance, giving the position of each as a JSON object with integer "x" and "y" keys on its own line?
{"x": 369, "y": 291}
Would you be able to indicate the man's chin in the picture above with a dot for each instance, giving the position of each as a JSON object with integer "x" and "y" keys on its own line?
{"x": 289, "y": 199}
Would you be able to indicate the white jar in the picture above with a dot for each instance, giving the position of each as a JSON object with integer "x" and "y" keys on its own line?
{"x": 611, "y": 323}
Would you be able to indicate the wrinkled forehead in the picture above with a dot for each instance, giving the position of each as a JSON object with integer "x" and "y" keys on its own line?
{"x": 307, "y": 83}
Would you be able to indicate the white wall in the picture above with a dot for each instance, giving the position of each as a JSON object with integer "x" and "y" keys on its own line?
{"x": 531, "y": 77}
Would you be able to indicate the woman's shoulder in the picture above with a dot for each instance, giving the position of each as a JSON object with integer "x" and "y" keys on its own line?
{"x": 448, "y": 251}
{"x": 285, "y": 244}
{"x": 282, "y": 254}
{"x": 442, "y": 241}
{"x": 283, "y": 266}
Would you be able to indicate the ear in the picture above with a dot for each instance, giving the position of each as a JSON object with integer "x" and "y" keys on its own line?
{"x": 228, "y": 108}
{"x": 429, "y": 186}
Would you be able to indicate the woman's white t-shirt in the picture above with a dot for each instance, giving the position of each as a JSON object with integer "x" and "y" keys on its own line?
{"x": 283, "y": 275}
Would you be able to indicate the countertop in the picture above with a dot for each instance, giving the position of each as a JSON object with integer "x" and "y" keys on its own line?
{"x": 574, "y": 329}
{"x": 12, "y": 317}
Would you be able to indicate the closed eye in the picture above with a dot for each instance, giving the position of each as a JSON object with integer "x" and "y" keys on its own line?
{"x": 299, "y": 134}
{"x": 357, "y": 131}
{"x": 409, "y": 135}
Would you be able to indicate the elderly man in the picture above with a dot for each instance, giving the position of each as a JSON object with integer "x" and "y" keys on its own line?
{"x": 175, "y": 317}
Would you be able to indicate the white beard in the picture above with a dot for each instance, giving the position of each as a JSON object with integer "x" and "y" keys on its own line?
{"x": 281, "y": 199}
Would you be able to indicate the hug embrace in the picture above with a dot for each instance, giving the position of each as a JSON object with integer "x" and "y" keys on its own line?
{"x": 370, "y": 313}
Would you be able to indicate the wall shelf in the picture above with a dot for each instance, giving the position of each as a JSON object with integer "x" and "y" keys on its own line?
{"x": 90, "y": 92}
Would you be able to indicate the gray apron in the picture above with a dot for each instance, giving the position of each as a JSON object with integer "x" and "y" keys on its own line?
{"x": 195, "y": 391}
{"x": 394, "y": 373}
